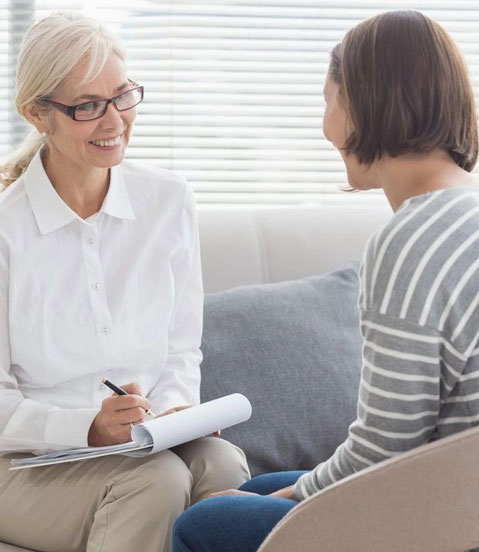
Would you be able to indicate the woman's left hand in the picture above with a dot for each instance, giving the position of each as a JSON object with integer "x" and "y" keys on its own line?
{"x": 232, "y": 492}
{"x": 287, "y": 492}
{"x": 177, "y": 409}
{"x": 173, "y": 410}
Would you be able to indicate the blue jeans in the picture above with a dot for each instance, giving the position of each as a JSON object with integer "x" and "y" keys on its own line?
{"x": 235, "y": 523}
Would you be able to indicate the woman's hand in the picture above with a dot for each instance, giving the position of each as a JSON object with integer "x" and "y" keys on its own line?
{"x": 229, "y": 492}
{"x": 111, "y": 425}
{"x": 287, "y": 492}
{"x": 177, "y": 409}
{"x": 173, "y": 410}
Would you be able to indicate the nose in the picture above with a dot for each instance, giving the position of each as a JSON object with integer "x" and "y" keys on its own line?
{"x": 112, "y": 118}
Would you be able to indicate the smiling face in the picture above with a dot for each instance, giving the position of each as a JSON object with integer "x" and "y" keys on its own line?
{"x": 83, "y": 145}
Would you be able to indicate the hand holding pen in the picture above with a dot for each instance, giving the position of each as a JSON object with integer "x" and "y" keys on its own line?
{"x": 120, "y": 391}
{"x": 112, "y": 424}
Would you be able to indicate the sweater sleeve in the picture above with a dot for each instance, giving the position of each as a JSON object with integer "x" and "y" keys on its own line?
{"x": 418, "y": 301}
{"x": 404, "y": 360}
{"x": 399, "y": 398}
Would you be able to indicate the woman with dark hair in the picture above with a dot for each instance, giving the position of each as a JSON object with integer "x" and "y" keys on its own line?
{"x": 400, "y": 110}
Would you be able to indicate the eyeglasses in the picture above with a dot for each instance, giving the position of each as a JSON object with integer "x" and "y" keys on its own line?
{"x": 89, "y": 111}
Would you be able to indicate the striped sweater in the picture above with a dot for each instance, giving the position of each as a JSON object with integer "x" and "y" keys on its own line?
{"x": 419, "y": 310}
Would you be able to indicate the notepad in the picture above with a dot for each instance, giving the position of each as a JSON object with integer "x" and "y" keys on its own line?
{"x": 158, "y": 434}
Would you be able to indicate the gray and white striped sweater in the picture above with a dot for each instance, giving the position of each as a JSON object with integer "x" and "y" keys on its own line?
{"x": 419, "y": 304}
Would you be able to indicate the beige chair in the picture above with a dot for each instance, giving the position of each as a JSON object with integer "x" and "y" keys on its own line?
{"x": 426, "y": 500}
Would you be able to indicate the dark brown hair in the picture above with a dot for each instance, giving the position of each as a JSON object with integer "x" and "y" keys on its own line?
{"x": 405, "y": 88}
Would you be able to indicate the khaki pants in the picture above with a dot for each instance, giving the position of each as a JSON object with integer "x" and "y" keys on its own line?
{"x": 115, "y": 503}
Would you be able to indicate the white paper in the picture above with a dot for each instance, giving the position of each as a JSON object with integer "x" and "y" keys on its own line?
{"x": 158, "y": 434}
{"x": 183, "y": 426}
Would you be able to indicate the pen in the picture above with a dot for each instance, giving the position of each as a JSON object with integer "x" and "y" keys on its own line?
{"x": 120, "y": 391}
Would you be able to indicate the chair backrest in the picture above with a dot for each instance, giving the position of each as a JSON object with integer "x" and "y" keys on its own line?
{"x": 425, "y": 500}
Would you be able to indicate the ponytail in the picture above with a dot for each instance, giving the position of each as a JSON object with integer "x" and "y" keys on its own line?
{"x": 19, "y": 160}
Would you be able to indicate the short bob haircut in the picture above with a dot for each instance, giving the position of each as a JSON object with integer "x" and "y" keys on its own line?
{"x": 406, "y": 89}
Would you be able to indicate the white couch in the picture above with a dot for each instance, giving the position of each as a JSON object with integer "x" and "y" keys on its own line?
{"x": 243, "y": 245}
{"x": 246, "y": 245}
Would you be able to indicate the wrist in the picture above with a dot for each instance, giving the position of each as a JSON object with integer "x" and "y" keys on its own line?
{"x": 94, "y": 437}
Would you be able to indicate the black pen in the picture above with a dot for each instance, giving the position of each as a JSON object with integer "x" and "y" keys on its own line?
{"x": 120, "y": 391}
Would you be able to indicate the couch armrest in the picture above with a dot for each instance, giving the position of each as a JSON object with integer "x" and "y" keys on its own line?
{"x": 424, "y": 500}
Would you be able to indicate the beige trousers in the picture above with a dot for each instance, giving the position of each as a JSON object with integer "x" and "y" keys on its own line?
{"x": 115, "y": 503}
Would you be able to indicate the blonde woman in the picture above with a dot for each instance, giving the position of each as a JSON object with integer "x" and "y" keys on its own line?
{"x": 99, "y": 276}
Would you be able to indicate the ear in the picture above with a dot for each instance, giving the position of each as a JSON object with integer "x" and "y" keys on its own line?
{"x": 36, "y": 117}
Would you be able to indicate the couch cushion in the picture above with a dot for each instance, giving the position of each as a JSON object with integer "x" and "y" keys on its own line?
{"x": 294, "y": 349}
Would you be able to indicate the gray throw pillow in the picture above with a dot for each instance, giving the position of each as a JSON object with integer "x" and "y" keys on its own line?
{"x": 294, "y": 349}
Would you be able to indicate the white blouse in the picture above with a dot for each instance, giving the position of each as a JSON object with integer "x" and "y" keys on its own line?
{"x": 117, "y": 295}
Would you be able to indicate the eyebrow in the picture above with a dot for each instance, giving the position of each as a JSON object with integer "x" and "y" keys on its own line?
{"x": 95, "y": 97}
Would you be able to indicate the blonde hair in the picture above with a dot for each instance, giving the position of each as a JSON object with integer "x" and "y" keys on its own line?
{"x": 50, "y": 50}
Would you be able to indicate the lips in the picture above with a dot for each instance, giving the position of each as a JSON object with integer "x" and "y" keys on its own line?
{"x": 109, "y": 142}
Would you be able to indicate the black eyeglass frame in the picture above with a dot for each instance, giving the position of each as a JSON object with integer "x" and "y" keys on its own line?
{"x": 70, "y": 110}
